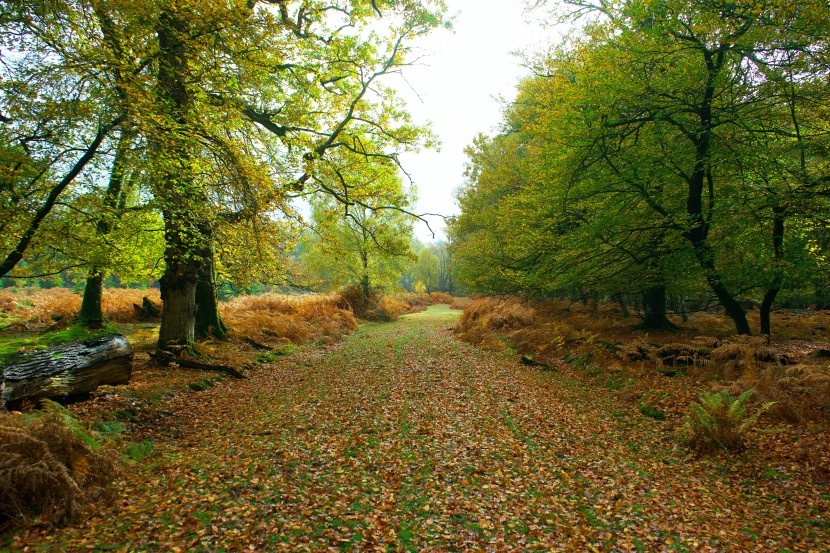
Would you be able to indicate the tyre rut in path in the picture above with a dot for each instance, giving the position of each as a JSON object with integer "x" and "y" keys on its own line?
{"x": 403, "y": 438}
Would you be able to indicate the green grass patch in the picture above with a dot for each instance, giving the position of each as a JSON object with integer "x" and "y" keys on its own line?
{"x": 110, "y": 430}
{"x": 201, "y": 385}
{"x": 653, "y": 412}
{"x": 140, "y": 451}
{"x": 271, "y": 356}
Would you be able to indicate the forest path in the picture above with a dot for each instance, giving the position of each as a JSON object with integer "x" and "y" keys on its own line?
{"x": 403, "y": 438}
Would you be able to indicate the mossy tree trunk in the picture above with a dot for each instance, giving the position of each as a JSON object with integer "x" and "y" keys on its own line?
{"x": 208, "y": 319}
{"x": 92, "y": 313}
{"x": 364, "y": 281}
{"x": 175, "y": 188}
{"x": 700, "y": 179}
{"x": 620, "y": 297}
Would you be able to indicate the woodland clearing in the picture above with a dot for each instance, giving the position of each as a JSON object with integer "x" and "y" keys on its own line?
{"x": 403, "y": 438}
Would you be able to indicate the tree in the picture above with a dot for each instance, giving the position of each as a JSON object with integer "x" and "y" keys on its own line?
{"x": 342, "y": 108}
{"x": 446, "y": 279}
{"x": 631, "y": 159}
{"x": 55, "y": 115}
{"x": 221, "y": 96}
{"x": 362, "y": 238}
{"x": 426, "y": 270}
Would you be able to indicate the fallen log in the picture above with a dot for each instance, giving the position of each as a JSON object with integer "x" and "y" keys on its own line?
{"x": 525, "y": 360}
{"x": 166, "y": 358}
{"x": 66, "y": 369}
{"x": 257, "y": 345}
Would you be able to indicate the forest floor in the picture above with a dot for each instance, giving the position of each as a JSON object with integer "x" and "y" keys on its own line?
{"x": 404, "y": 438}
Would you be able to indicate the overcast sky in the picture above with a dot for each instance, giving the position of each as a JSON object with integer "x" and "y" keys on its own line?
{"x": 457, "y": 87}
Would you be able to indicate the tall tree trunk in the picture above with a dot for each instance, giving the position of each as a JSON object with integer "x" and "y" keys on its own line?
{"x": 730, "y": 304}
{"x": 682, "y": 308}
{"x": 654, "y": 307}
{"x": 700, "y": 179}
{"x": 174, "y": 187}
{"x": 775, "y": 286}
{"x": 620, "y": 297}
{"x": 208, "y": 319}
{"x": 91, "y": 312}
{"x": 364, "y": 281}
{"x": 178, "y": 294}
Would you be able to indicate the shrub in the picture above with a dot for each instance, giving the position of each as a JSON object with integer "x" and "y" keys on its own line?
{"x": 280, "y": 318}
{"x": 351, "y": 297}
{"x": 117, "y": 303}
{"x": 377, "y": 307}
{"x": 441, "y": 297}
{"x": 720, "y": 421}
{"x": 50, "y": 467}
{"x": 37, "y": 307}
{"x": 386, "y": 309}
{"x": 652, "y": 412}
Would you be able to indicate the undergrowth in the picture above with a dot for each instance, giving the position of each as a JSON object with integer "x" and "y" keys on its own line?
{"x": 792, "y": 371}
{"x": 720, "y": 422}
{"x": 386, "y": 308}
{"x": 28, "y": 308}
{"x": 282, "y": 319}
{"x": 51, "y": 468}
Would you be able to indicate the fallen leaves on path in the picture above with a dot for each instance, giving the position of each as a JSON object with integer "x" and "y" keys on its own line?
{"x": 403, "y": 438}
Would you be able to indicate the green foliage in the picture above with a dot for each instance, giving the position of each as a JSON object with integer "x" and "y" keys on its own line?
{"x": 365, "y": 242}
{"x": 272, "y": 356}
{"x": 201, "y": 385}
{"x": 139, "y": 451}
{"x": 656, "y": 151}
{"x": 720, "y": 422}
{"x": 652, "y": 412}
{"x": 580, "y": 361}
{"x": 110, "y": 430}
{"x": 218, "y": 115}
{"x": 57, "y": 410}
{"x": 427, "y": 270}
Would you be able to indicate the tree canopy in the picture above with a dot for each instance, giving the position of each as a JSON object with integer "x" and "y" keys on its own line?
{"x": 665, "y": 146}
{"x": 207, "y": 119}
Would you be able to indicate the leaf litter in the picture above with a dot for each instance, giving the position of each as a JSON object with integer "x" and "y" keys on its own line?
{"x": 403, "y": 438}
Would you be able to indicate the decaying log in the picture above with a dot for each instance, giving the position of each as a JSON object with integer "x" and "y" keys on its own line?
{"x": 257, "y": 345}
{"x": 166, "y": 358}
{"x": 525, "y": 360}
{"x": 67, "y": 369}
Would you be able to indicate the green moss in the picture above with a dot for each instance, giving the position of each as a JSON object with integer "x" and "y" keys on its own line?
{"x": 653, "y": 412}
{"x": 138, "y": 452}
{"x": 201, "y": 386}
{"x": 10, "y": 346}
{"x": 272, "y": 356}
{"x": 7, "y": 320}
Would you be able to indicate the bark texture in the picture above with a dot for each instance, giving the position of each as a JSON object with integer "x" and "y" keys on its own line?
{"x": 91, "y": 312}
{"x": 208, "y": 319}
{"x": 67, "y": 369}
{"x": 174, "y": 187}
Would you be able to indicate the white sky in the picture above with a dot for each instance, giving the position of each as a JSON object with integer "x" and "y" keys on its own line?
{"x": 457, "y": 87}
